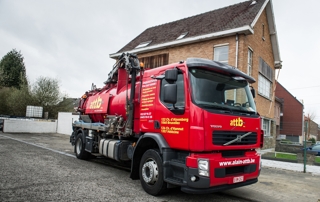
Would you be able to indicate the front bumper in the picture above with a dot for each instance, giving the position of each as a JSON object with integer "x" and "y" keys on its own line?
{"x": 191, "y": 190}
{"x": 225, "y": 172}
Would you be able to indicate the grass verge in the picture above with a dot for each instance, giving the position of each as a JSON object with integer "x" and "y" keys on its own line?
{"x": 317, "y": 159}
{"x": 286, "y": 156}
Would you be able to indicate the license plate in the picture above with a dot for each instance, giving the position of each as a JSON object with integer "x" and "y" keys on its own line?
{"x": 238, "y": 179}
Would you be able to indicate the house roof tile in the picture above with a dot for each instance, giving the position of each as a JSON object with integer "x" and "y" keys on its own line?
{"x": 222, "y": 19}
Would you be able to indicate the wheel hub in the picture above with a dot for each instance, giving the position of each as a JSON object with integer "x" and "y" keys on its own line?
{"x": 78, "y": 146}
{"x": 150, "y": 172}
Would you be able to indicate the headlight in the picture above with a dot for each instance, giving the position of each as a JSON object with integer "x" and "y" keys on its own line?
{"x": 260, "y": 165}
{"x": 203, "y": 167}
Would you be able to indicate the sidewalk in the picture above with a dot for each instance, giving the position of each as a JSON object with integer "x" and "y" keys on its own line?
{"x": 298, "y": 167}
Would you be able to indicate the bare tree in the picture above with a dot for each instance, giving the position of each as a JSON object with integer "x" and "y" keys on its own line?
{"x": 46, "y": 93}
{"x": 311, "y": 126}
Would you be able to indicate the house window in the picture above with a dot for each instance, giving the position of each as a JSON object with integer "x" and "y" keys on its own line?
{"x": 221, "y": 54}
{"x": 155, "y": 60}
{"x": 264, "y": 86}
{"x": 143, "y": 44}
{"x": 266, "y": 126}
{"x": 265, "y": 79}
{"x": 250, "y": 53}
{"x": 182, "y": 35}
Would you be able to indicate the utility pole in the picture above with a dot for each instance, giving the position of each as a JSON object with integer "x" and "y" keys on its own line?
{"x": 305, "y": 151}
{"x": 307, "y": 132}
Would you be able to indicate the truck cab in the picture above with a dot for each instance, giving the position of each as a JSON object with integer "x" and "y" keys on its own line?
{"x": 205, "y": 114}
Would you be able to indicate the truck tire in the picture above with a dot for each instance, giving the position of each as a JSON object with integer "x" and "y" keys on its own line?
{"x": 79, "y": 148}
{"x": 151, "y": 173}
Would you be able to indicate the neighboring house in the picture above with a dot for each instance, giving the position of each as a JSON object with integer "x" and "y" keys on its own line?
{"x": 311, "y": 128}
{"x": 242, "y": 35}
{"x": 291, "y": 121}
{"x": 278, "y": 113}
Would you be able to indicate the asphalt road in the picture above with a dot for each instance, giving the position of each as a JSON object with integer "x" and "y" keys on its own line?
{"x": 32, "y": 173}
{"x": 42, "y": 167}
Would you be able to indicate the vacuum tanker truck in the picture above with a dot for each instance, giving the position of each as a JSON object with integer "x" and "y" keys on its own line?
{"x": 192, "y": 124}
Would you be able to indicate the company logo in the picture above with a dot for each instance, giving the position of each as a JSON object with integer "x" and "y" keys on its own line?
{"x": 96, "y": 104}
{"x": 216, "y": 126}
{"x": 237, "y": 122}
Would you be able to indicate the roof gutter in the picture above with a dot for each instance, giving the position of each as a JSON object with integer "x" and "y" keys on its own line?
{"x": 245, "y": 29}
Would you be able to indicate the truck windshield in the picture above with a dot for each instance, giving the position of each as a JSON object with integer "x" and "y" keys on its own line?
{"x": 211, "y": 90}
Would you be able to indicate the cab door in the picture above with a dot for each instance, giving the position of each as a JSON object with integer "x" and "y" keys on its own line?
{"x": 172, "y": 120}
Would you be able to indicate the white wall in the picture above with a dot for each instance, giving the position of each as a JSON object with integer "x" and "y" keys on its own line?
{"x": 65, "y": 120}
{"x": 63, "y": 125}
{"x": 29, "y": 126}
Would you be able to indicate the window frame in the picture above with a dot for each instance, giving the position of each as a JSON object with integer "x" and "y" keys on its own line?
{"x": 215, "y": 51}
{"x": 267, "y": 131}
{"x": 266, "y": 74}
{"x": 262, "y": 81}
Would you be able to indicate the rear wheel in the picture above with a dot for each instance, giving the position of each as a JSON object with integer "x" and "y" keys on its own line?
{"x": 79, "y": 148}
{"x": 151, "y": 173}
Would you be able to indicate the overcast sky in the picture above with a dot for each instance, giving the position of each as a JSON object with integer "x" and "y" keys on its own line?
{"x": 71, "y": 40}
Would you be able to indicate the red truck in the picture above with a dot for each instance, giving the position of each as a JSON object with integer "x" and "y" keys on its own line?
{"x": 191, "y": 124}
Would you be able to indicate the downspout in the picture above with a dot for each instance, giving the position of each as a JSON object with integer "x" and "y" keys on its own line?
{"x": 236, "y": 63}
{"x": 237, "y": 50}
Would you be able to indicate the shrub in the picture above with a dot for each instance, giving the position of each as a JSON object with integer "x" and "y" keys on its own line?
{"x": 312, "y": 140}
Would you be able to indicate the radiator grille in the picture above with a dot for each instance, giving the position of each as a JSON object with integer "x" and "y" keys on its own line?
{"x": 222, "y": 137}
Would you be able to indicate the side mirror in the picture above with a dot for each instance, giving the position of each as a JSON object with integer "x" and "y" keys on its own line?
{"x": 171, "y": 75}
{"x": 170, "y": 93}
{"x": 253, "y": 92}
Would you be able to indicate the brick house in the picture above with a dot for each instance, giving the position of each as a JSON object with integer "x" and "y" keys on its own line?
{"x": 291, "y": 121}
{"x": 242, "y": 35}
{"x": 310, "y": 128}
{"x": 278, "y": 113}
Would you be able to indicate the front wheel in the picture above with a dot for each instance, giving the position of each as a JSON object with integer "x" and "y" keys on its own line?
{"x": 151, "y": 173}
{"x": 79, "y": 148}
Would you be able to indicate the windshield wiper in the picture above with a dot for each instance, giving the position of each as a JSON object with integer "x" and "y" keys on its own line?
{"x": 246, "y": 112}
{"x": 215, "y": 107}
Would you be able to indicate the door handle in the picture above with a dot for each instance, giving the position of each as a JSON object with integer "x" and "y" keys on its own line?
{"x": 156, "y": 125}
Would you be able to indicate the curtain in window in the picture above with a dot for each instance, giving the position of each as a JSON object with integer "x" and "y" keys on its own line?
{"x": 155, "y": 61}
